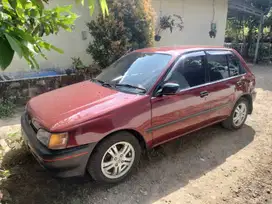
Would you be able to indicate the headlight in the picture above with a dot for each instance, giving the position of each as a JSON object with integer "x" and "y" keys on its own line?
{"x": 43, "y": 136}
{"x": 53, "y": 140}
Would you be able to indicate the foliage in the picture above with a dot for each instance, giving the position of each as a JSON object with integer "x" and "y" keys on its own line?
{"x": 90, "y": 71}
{"x": 4, "y": 173}
{"x": 77, "y": 63}
{"x": 86, "y": 71}
{"x": 6, "y": 108}
{"x": 169, "y": 22}
{"x": 242, "y": 28}
{"x": 103, "y": 6}
{"x": 129, "y": 26}
{"x": 24, "y": 23}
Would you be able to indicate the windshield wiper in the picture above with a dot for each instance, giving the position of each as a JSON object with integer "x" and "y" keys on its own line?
{"x": 131, "y": 86}
{"x": 102, "y": 82}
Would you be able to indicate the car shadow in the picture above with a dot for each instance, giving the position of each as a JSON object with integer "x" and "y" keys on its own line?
{"x": 162, "y": 171}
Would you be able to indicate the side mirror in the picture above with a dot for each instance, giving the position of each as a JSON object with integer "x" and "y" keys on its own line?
{"x": 169, "y": 89}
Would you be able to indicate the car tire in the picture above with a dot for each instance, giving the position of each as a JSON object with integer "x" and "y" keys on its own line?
{"x": 114, "y": 158}
{"x": 231, "y": 122}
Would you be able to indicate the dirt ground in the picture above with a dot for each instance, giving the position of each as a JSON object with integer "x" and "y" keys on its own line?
{"x": 213, "y": 165}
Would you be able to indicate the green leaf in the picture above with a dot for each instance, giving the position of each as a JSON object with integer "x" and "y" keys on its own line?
{"x": 33, "y": 13}
{"x": 64, "y": 9}
{"x": 20, "y": 12}
{"x": 34, "y": 62}
{"x": 36, "y": 30}
{"x": 13, "y": 134}
{"x": 15, "y": 45}
{"x": 39, "y": 4}
{"x": 6, "y": 53}
{"x": 48, "y": 47}
{"x": 13, "y": 3}
{"x": 57, "y": 49}
{"x": 24, "y": 35}
{"x": 5, "y": 3}
{"x": 23, "y": 3}
{"x": 80, "y": 2}
{"x": 91, "y": 6}
{"x": 104, "y": 7}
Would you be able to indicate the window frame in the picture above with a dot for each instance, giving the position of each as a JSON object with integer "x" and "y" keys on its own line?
{"x": 180, "y": 60}
{"x": 207, "y": 75}
{"x": 241, "y": 67}
{"x": 224, "y": 53}
{"x": 227, "y": 52}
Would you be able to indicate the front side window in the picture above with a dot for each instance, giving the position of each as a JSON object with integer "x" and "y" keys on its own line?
{"x": 136, "y": 72}
{"x": 189, "y": 72}
{"x": 217, "y": 65}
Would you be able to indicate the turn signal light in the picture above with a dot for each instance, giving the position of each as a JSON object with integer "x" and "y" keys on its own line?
{"x": 58, "y": 141}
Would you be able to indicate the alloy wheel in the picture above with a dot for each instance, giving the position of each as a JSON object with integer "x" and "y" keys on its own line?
{"x": 118, "y": 160}
{"x": 239, "y": 115}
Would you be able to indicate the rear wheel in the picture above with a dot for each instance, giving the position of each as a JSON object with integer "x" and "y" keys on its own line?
{"x": 115, "y": 158}
{"x": 238, "y": 116}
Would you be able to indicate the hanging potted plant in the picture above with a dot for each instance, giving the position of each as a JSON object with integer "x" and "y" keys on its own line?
{"x": 213, "y": 30}
{"x": 168, "y": 22}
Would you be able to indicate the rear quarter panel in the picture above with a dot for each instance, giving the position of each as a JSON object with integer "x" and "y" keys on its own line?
{"x": 248, "y": 79}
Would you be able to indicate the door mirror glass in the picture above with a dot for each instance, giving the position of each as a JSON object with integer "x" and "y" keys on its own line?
{"x": 169, "y": 89}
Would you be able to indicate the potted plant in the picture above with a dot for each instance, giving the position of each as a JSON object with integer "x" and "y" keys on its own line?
{"x": 168, "y": 22}
{"x": 213, "y": 30}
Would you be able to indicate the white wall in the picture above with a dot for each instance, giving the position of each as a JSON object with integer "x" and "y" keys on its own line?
{"x": 70, "y": 42}
{"x": 197, "y": 16}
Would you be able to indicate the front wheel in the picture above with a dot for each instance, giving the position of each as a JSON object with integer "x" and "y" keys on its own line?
{"x": 115, "y": 158}
{"x": 238, "y": 116}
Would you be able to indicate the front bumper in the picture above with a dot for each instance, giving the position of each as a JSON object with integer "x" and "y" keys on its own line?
{"x": 61, "y": 163}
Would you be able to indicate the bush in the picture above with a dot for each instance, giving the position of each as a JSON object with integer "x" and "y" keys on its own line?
{"x": 129, "y": 26}
{"x": 87, "y": 72}
{"x": 6, "y": 108}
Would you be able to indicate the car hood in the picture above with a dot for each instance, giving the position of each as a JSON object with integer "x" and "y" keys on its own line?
{"x": 64, "y": 108}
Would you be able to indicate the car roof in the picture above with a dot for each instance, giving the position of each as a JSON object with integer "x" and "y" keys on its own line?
{"x": 177, "y": 50}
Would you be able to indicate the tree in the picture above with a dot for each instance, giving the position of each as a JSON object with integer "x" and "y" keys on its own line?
{"x": 129, "y": 26}
{"x": 244, "y": 28}
{"x": 103, "y": 6}
{"x": 23, "y": 23}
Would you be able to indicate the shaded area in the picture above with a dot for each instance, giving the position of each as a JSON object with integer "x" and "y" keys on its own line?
{"x": 161, "y": 171}
{"x": 263, "y": 76}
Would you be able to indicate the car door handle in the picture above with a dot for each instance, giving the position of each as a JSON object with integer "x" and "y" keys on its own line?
{"x": 204, "y": 93}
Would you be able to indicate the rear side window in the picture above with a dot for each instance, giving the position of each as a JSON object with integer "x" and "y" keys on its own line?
{"x": 235, "y": 65}
{"x": 217, "y": 65}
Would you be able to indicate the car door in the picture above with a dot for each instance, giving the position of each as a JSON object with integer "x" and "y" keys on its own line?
{"x": 225, "y": 80}
{"x": 175, "y": 115}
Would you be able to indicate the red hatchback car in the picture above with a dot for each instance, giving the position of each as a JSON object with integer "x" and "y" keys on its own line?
{"x": 144, "y": 99}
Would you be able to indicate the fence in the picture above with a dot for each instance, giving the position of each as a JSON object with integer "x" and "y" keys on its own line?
{"x": 19, "y": 91}
{"x": 265, "y": 50}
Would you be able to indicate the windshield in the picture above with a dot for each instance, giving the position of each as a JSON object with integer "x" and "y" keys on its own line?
{"x": 136, "y": 72}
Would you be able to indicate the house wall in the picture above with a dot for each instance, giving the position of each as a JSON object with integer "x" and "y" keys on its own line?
{"x": 70, "y": 42}
{"x": 197, "y": 16}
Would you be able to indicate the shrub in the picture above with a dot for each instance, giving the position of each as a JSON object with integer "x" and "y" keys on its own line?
{"x": 6, "y": 108}
{"x": 86, "y": 71}
{"x": 129, "y": 26}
